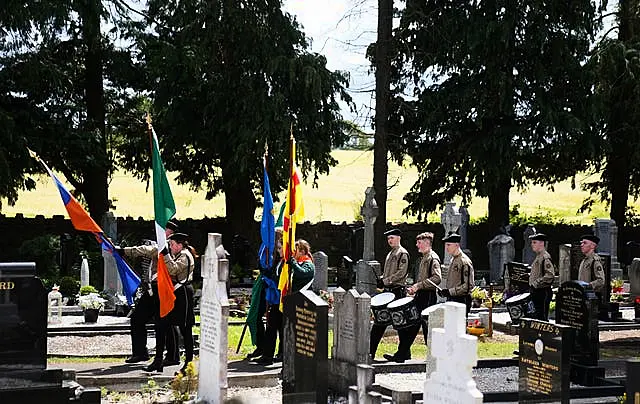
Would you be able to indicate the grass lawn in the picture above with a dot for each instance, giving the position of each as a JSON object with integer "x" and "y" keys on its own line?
{"x": 337, "y": 198}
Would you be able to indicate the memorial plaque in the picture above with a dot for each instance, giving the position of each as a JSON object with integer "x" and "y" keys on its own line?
{"x": 577, "y": 306}
{"x": 304, "y": 362}
{"x": 23, "y": 318}
{"x": 544, "y": 361}
{"x": 518, "y": 277}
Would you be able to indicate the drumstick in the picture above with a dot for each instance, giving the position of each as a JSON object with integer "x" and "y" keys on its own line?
{"x": 437, "y": 287}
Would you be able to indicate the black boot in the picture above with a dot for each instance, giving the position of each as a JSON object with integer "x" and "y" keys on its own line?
{"x": 153, "y": 366}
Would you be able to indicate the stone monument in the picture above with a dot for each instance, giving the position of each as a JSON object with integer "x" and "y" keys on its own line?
{"x": 84, "y": 271}
{"x": 214, "y": 316}
{"x": 501, "y": 251}
{"x": 367, "y": 273}
{"x": 464, "y": 226}
{"x": 451, "y": 220}
{"x": 607, "y": 230}
{"x": 369, "y": 212}
{"x": 321, "y": 274}
{"x": 528, "y": 255}
{"x": 54, "y": 298}
{"x": 456, "y": 355}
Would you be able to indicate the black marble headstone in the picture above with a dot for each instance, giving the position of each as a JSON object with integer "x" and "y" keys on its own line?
{"x": 544, "y": 361}
{"x": 304, "y": 361}
{"x": 577, "y": 306}
{"x": 633, "y": 381}
{"x": 23, "y": 318}
{"x": 518, "y": 277}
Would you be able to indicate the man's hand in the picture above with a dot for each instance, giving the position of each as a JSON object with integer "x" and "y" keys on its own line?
{"x": 380, "y": 284}
{"x": 444, "y": 293}
{"x": 291, "y": 261}
{"x": 412, "y": 290}
{"x": 119, "y": 250}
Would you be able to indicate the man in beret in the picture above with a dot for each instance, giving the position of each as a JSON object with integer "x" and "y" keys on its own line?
{"x": 591, "y": 269}
{"x": 461, "y": 277}
{"x": 393, "y": 280}
{"x": 541, "y": 277}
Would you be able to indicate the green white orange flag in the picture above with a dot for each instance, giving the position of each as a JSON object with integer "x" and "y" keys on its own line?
{"x": 293, "y": 213}
{"x": 164, "y": 209}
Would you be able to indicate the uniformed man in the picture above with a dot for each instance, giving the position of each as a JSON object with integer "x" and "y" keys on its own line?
{"x": 147, "y": 307}
{"x": 424, "y": 292}
{"x": 460, "y": 279}
{"x": 591, "y": 269}
{"x": 541, "y": 277}
{"x": 393, "y": 280}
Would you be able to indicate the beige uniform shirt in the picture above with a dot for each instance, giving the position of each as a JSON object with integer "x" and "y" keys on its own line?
{"x": 180, "y": 267}
{"x": 461, "y": 278}
{"x": 592, "y": 265}
{"x": 542, "y": 271}
{"x": 148, "y": 251}
{"x": 395, "y": 267}
{"x": 432, "y": 260}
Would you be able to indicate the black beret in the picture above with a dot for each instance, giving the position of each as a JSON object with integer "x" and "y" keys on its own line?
{"x": 178, "y": 237}
{"x": 539, "y": 237}
{"x": 172, "y": 225}
{"x": 452, "y": 238}
{"x": 590, "y": 237}
{"x": 393, "y": 232}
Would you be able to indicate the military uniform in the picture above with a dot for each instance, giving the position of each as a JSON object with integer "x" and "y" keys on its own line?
{"x": 460, "y": 279}
{"x": 394, "y": 278}
{"x": 592, "y": 271}
{"x": 147, "y": 308}
{"x": 540, "y": 281}
{"x": 425, "y": 296}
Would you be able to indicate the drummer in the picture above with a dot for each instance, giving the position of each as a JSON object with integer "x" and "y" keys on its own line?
{"x": 591, "y": 269}
{"x": 424, "y": 292}
{"x": 393, "y": 280}
{"x": 541, "y": 277}
{"x": 460, "y": 279}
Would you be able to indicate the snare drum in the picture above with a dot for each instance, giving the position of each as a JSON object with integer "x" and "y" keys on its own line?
{"x": 520, "y": 306}
{"x": 381, "y": 314}
{"x": 404, "y": 313}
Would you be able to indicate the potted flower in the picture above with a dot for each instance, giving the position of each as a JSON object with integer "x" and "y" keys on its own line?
{"x": 91, "y": 303}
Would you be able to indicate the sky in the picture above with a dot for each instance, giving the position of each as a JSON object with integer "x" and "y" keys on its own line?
{"x": 341, "y": 30}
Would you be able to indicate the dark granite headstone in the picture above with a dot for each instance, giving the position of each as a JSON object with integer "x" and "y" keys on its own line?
{"x": 24, "y": 376}
{"x": 518, "y": 277}
{"x": 544, "y": 361}
{"x": 304, "y": 362}
{"x": 633, "y": 381}
{"x": 577, "y": 306}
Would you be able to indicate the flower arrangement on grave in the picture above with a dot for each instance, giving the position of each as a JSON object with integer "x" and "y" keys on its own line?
{"x": 479, "y": 296}
{"x": 327, "y": 297}
{"x": 617, "y": 285}
{"x": 91, "y": 301}
{"x": 474, "y": 327}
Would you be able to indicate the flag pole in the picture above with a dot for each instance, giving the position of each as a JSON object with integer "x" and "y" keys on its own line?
{"x": 266, "y": 168}
{"x": 291, "y": 205}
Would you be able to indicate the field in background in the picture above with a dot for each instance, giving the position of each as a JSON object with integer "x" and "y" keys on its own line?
{"x": 337, "y": 197}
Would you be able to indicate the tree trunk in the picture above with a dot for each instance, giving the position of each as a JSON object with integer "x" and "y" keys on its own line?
{"x": 241, "y": 206}
{"x": 499, "y": 205}
{"x": 95, "y": 177}
{"x": 380, "y": 150}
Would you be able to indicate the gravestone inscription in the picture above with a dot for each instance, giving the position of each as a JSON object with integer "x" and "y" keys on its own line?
{"x": 304, "y": 362}
{"x": 518, "y": 277}
{"x": 544, "y": 361}
{"x": 577, "y": 306}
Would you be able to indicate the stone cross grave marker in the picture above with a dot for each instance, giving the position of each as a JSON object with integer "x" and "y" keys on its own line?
{"x": 112, "y": 283}
{"x": 528, "y": 255}
{"x": 501, "y": 251}
{"x": 214, "y": 316}
{"x": 369, "y": 212}
{"x": 321, "y": 274}
{"x": 451, "y": 220}
{"x": 84, "y": 272}
{"x": 544, "y": 361}
{"x": 304, "y": 361}
{"x": 351, "y": 319}
{"x": 607, "y": 230}
{"x": 434, "y": 316}
{"x": 456, "y": 355}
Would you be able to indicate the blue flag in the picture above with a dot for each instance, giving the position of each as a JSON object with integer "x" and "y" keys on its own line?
{"x": 267, "y": 226}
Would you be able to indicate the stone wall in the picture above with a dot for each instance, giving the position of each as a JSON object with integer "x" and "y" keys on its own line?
{"x": 335, "y": 239}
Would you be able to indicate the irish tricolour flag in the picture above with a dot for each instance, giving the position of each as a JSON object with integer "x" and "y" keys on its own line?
{"x": 164, "y": 208}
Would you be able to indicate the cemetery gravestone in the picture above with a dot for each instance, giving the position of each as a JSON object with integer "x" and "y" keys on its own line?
{"x": 369, "y": 212}
{"x": 464, "y": 226}
{"x": 634, "y": 278}
{"x": 434, "y": 316}
{"x": 456, "y": 354}
{"x": 544, "y": 361}
{"x": 518, "y": 277}
{"x": 351, "y": 319}
{"x": 214, "y": 316}
{"x": 304, "y": 362}
{"x": 451, "y": 221}
{"x": 320, "y": 276}
{"x": 84, "y": 272}
{"x": 501, "y": 251}
{"x": 54, "y": 298}
{"x": 564, "y": 263}
{"x": 366, "y": 276}
{"x": 607, "y": 230}
{"x": 528, "y": 255}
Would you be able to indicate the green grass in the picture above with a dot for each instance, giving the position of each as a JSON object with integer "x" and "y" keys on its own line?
{"x": 337, "y": 198}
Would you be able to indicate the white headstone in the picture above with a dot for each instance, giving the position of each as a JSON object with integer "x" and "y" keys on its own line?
{"x": 435, "y": 317}
{"x": 321, "y": 262}
{"x": 451, "y": 220}
{"x": 456, "y": 355}
{"x": 84, "y": 272}
{"x": 564, "y": 263}
{"x": 112, "y": 283}
{"x": 214, "y": 315}
{"x": 54, "y": 298}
